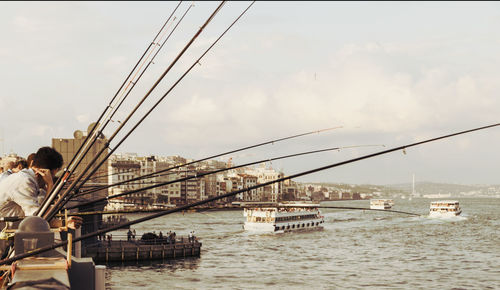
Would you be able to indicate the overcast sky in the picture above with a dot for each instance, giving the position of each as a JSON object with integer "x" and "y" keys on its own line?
{"x": 390, "y": 73}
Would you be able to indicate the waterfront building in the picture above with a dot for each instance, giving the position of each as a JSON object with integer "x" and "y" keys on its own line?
{"x": 123, "y": 167}
{"x": 273, "y": 192}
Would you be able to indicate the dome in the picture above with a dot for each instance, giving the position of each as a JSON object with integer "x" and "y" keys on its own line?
{"x": 34, "y": 224}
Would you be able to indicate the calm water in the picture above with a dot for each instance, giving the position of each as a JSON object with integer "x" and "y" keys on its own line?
{"x": 356, "y": 249}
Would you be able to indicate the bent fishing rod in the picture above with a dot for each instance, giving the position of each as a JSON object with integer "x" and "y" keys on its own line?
{"x": 233, "y": 193}
{"x": 351, "y": 160}
{"x": 155, "y": 174}
{"x": 93, "y": 134}
{"x": 48, "y": 214}
{"x": 230, "y": 152}
{"x": 202, "y": 174}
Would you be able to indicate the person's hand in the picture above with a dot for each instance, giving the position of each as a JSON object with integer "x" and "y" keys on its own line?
{"x": 46, "y": 176}
{"x": 75, "y": 222}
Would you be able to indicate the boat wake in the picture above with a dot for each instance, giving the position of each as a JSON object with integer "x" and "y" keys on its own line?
{"x": 448, "y": 218}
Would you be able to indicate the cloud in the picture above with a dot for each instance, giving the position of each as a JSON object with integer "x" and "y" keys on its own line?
{"x": 359, "y": 87}
{"x": 83, "y": 118}
{"x": 41, "y": 130}
{"x": 27, "y": 24}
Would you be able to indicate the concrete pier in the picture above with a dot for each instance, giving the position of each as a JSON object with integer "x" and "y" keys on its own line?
{"x": 128, "y": 251}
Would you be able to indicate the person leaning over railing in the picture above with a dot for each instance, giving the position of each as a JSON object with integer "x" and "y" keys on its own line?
{"x": 19, "y": 194}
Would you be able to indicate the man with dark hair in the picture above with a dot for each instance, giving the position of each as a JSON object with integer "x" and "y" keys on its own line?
{"x": 19, "y": 194}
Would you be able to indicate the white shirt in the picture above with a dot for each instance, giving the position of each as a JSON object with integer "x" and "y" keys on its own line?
{"x": 19, "y": 194}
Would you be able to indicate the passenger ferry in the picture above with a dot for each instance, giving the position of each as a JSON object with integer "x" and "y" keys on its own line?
{"x": 445, "y": 208}
{"x": 381, "y": 203}
{"x": 282, "y": 217}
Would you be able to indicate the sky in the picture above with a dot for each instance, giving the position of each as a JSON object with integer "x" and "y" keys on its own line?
{"x": 388, "y": 73}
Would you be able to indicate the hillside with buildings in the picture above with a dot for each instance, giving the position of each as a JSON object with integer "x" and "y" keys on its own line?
{"x": 197, "y": 183}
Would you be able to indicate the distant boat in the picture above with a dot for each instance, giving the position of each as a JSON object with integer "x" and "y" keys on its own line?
{"x": 381, "y": 203}
{"x": 444, "y": 208}
{"x": 439, "y": 195}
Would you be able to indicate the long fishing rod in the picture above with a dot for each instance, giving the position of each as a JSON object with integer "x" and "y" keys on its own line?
{"x": 78, "y": 156}
{"x": 233, "y": 193}
{"x": 134, "y": 83}
{"x": 138, "y": 79}
{"x": 202, "y": 174}
{"x": 154, "y": 174}
{"x": 62, "y": 199}
{"x": 229, "y": 152}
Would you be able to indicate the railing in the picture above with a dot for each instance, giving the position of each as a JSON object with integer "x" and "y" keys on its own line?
{"x": 124, "y": 240}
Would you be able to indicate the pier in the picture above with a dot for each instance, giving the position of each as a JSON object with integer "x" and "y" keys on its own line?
{"x": 142, "y": 250}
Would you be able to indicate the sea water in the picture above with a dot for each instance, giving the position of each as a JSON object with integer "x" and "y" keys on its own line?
{"x": 356, "y": 249}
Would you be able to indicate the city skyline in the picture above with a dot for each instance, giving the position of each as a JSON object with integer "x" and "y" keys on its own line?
{"x": 284, "y": 69}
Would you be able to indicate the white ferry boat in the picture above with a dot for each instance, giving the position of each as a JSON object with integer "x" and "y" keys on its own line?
{"x": 445, "y": 208}
{"x": 381, "y": 203}
{"x": 282, "y": 217}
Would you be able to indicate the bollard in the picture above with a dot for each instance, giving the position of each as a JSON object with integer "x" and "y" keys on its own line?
{"x": 100, "y": 277}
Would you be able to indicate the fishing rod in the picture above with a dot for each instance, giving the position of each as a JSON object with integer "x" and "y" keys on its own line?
{"x": 123, "y": 98}
{"x": 230, "y": 152}
{"x": 138, "y": 79}
{"x": 154, "y": 174}
{"x": 202, "y": 174}
{"x": 62, "y": 199}
{"x": 233, "y": 193}
{"x": 93, "y": 134}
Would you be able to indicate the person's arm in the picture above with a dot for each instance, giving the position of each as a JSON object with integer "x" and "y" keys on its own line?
{"x": 24, "y": 192}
